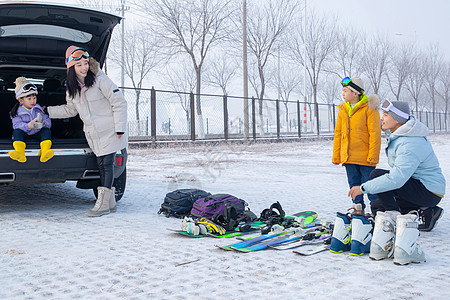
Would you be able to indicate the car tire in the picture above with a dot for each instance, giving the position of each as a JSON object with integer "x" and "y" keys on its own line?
{"x": 119, "y": 183}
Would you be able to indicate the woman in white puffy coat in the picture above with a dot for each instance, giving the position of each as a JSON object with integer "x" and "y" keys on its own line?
{"x": 103, "y": 110}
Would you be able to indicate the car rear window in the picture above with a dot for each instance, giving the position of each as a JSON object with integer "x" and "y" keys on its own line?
{"x": 45, "y": 31}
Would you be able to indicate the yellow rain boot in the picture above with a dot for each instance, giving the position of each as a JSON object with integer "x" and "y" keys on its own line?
{"x": 19, "y": 152}
{"x": 46, "y": 153}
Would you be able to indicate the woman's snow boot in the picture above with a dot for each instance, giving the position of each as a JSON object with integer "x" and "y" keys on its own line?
{"x": 112, "y": 201}
{"x": 101, "y": 206}
{"x": 406, "y": 248}
{"x": 383, "y": 240}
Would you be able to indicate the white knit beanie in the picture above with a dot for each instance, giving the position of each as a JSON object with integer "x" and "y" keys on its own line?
{"x": 357, "y": 81}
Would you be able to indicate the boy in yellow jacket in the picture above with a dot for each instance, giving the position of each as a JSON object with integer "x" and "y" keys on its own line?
{"x": 357, "y": 136}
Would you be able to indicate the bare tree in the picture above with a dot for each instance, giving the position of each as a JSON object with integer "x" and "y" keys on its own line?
{"x": 183, "y": 81}
{"x": 374, "y": 62}
{"x": 189, "y": 27}
{"x": 414, "y": 82}
{"x": 140, "y": 58}
{"x": 444, "y": 78}
{"x": 266, "y": 25}
{"x": 320, "y": 42}
{"x": 433, "y": 68}
{"x": 347, "y": 53}
{"x": 221, "y": 71}
{"x": 401, "y": 65}
{"x": 286, "y": 83}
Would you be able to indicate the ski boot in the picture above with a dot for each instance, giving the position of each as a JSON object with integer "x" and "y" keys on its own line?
{"x": 341, "y": 239}
{"x": 188, "y": 225}
{"x": 362, "y": 228}
{"x": 383, "y": 240}
{"x": 406, "y": 248}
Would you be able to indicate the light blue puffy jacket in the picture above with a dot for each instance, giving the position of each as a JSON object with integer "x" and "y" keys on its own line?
{"x": 409, "y": 154}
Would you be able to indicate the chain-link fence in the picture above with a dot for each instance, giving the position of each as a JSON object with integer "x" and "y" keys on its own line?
{"x": 167, "y": 115}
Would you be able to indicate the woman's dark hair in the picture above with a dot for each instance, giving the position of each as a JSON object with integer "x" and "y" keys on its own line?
{"x": 13, "y": 111}
{"x": 72, "y": 84}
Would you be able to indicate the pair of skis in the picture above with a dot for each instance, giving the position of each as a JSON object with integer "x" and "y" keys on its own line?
{"x": 288, "y": 239}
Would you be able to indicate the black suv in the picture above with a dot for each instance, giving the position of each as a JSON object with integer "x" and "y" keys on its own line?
{"x": 33, "y": 41}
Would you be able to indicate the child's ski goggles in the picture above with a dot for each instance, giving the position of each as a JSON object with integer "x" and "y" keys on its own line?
{"x": 77, "y": 54}
{"x": 389, "y": 106}
{"x": 348, "y": 82}
{"x": 25, "y": 89}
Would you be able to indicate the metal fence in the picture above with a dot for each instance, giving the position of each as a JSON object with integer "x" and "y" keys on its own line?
{"x": 158, "y": 115}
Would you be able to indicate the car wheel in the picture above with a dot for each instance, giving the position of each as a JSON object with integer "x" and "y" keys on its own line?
{"x": 119, "y": 183}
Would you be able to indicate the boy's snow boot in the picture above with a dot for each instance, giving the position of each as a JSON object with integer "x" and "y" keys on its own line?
{"x": 19, "y": 152}
{"x": 341, "y": 240}
{"x": 46, "y": 153}
{"x": 362, "y": 228}
{"x": 382, "y": 245}
{"x": 406, "y": 248}
{"x": 101, "y": 206}
{"x": 112, "y": 201}
{"x": 429, "y": 217}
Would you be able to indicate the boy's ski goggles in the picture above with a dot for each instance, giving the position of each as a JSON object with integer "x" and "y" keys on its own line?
{"x": 77, "y": 54}
{"x": 25, "y": 89}
{"x": 388, "y": 106}
{"x": 348, "y": 82}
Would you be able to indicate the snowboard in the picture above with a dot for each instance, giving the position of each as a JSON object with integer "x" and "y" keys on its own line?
{"x": 306, "y": 217}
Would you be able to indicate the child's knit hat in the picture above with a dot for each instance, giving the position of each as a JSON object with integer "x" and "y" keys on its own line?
{"x": 357, "y": 81}
{"x": 24, "y": 88}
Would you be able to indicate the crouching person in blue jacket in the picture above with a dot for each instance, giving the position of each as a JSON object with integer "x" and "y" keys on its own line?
{"x": 409, "y": 191}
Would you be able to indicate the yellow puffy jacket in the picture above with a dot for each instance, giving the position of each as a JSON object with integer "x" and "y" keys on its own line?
{"x": 357, "y": 136}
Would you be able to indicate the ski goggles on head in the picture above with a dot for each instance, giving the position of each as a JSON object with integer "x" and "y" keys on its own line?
{"x": 25, "y": 89}
{"x": 389, "y": 106}
{"x": 348, "y": 82}
{"x": 77, "y": 54}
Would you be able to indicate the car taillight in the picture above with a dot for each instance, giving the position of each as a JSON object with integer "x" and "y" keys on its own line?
{"x": 119, "y": 161}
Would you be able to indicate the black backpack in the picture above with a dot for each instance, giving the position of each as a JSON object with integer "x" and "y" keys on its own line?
{"x": 179, "y": 202}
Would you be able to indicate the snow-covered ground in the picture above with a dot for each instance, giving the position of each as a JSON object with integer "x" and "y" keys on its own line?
{"x": 50, "y": 250}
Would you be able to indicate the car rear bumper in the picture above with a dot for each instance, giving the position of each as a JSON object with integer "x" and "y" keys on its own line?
{"x": 66, "y": 164}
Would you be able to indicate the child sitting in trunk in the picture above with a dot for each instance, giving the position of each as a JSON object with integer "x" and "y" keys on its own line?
{"x": 29, "y": 122}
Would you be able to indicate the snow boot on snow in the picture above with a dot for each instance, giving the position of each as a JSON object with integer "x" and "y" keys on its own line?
{"x": 406, "y": 248}
{"x": 382, "y": 245}
{"x": 362, "y": 228}
{"x": 101, "y": 206}
{"x": 341, "y": 240}
{"x": 112, "y": 201}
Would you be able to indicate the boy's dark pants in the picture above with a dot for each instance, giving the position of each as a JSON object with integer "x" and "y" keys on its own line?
{"x": 411, "y": 196}
{"x": 357, "y": 175}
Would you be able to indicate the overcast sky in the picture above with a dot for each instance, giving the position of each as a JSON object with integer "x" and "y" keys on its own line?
{"x": 424, "y": 22}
